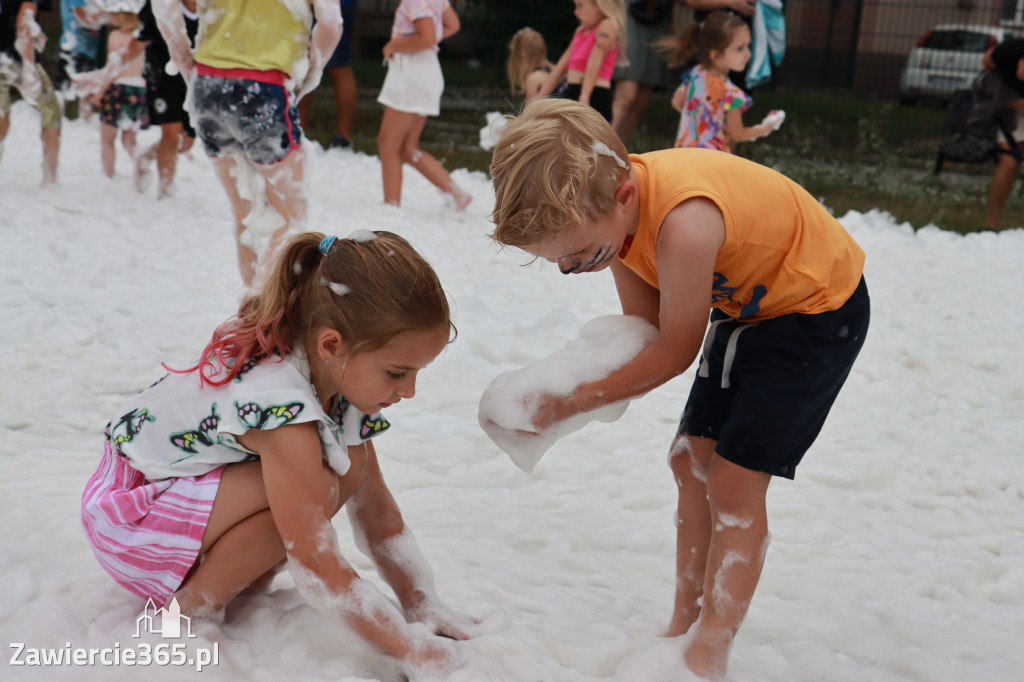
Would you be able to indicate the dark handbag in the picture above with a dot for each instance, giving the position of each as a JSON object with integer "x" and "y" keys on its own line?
{"x": 974, "y": 121}
{"x": 650, "y": 12}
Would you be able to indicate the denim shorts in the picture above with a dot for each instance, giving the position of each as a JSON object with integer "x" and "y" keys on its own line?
{"x": 246, "y": 111}
{"x": 763, "y": 390}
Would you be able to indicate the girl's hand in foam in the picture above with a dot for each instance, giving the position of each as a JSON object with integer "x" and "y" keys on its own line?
{"x": 430, "y": 659}
{"x": 442, "y": 620}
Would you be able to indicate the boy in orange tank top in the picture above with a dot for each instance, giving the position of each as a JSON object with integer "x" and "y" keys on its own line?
{"x": 685, "y": 231}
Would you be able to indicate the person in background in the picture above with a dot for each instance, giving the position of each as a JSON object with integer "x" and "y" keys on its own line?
{"x": 1007, "y": 58}
{"x": 343, "y": 80}
{"x": 647, "y": 21}
{"x": 711, "y": 107}
{"x": 122, "y": 102}
{"x": 81, "y": 28}
{"x": 244, "y": 80}
{"x": 411, "y": 92}
{"x": 597, "y": 46}
{"x": 165, "y": 96}
{"x": 528, "y": 65}
{"x": 21, "y": 44}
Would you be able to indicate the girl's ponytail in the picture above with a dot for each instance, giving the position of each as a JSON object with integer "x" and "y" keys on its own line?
{"x": 370, "y": 287}
{"x": 678, "y": 48}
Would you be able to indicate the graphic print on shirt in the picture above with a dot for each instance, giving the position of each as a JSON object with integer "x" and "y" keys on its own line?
{"x": 254, "y": 416}
{"x": 205, "y": 434}
{"x": 127, "y": 427}
{"x": 372, "y": 424}
{"x": 720, "y": 291}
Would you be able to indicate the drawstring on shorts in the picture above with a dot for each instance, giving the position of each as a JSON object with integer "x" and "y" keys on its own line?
{"x": 730, "y": 350}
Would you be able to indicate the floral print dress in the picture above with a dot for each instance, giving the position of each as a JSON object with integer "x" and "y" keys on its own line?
{"x": 708, "y": 97}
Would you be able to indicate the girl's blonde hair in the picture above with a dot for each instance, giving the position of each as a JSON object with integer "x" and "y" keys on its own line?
{"x": 370, "y": 287}
{"x": 616, "y": 11}
{"x": 527, "y": 52}
{"x": 700, "y": 38}
{"x": 558, "y": 164}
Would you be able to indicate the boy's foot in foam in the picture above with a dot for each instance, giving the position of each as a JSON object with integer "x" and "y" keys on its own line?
{"x": 339, "y": 141}
{"x": 143, "y": 173}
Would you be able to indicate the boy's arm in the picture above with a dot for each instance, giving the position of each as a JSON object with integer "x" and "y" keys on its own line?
{"x": 606, "y": 40}
{"x": 171, "y": 22}
{"x": 382, "y": 535}
{"x": 322, "y": 41}
{"x": 688, "y": 243}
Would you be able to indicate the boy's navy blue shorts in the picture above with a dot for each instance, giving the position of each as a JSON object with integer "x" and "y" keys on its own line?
{"x": 763, "y": 390}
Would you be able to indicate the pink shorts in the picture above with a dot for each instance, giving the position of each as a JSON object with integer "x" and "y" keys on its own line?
{"x": 146, "y": 534}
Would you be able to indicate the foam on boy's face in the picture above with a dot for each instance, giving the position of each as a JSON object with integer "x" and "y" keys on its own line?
{"x": 588, "y": 248}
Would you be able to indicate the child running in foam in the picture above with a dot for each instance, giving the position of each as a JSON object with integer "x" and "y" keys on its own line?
{"x": 685, "y": 231}
{"x": 252, "y": 62}
{"x": 214, "y": 475}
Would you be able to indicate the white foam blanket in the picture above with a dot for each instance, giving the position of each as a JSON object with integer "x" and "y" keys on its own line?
{"x": 508, "y": 405}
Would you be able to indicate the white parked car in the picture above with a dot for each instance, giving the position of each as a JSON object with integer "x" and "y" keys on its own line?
{"x": 947, "y": 59}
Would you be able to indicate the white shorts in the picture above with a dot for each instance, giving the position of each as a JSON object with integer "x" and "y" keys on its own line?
{"x": 414, "y": 83}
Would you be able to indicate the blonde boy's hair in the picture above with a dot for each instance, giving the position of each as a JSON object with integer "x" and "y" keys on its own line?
{"x": 557, "y": 164}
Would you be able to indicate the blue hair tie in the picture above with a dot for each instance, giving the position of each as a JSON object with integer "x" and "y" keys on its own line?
{"x": 326, "y": 243}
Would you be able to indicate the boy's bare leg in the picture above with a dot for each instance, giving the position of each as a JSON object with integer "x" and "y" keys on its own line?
{"x": 108, "y": 138}
{"x": 171, "y": 137}
{"x": 739, "y": 541}
{"x": 286, "y": 194}
{"x": 51, "y": 150}
{"x": 690, "y": 463}
{"x": 225, "y": 168}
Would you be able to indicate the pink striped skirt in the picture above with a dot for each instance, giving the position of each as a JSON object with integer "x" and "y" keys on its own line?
{"x": 146, "y": 534}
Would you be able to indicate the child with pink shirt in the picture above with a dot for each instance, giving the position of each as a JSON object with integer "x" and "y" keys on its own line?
{"x": 598, "y": 45}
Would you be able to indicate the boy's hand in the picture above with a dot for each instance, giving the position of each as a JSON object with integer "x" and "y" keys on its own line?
{"x": 550, "y": 409}
{"x": 442, "y": 620}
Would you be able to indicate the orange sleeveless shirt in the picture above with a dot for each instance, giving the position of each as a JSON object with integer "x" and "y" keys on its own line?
{"x": 783, "y": 252}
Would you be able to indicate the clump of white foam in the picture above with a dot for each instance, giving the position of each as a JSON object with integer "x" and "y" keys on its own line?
{"x": 604, "y": 150}
{"x": 492, "y": 132}
{"x": 508, "y": 405}
{"x": 362, "y": 235}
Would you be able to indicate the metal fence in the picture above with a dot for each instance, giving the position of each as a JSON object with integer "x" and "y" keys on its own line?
{"x": 842, "y": 69}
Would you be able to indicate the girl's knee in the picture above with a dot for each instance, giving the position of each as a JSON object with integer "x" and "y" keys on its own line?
{"x": 411, "y": 154}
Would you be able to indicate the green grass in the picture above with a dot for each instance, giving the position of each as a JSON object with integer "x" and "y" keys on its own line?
{"x": 852, "y": 153}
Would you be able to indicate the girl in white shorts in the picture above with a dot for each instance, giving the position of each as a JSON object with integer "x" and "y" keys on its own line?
{"x": 411, "y": 92}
